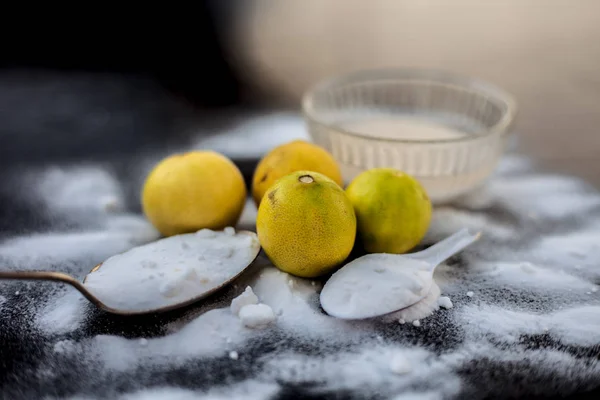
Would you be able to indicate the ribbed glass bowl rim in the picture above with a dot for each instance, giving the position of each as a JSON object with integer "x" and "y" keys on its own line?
{"x": 491, "y": 91}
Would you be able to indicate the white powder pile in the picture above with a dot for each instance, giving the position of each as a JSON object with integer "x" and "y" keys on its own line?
{"x": 172, "y": 270}
{"x": 400, "y": 364}
{"x": 256, "y": 136}
{"x": 445, "y": 302}
{"x": 256, "y": 315}
{"x": 246, "y": 298}
{"x": 251, "y": 313}
{"x": 84, "y": 189}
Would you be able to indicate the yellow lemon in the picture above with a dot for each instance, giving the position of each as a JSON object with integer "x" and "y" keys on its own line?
{"x": 293, "y": 156}
{"x": 392, "y": 209}
{"x": 306, "y": 224}
{"x": 191, "y": 191}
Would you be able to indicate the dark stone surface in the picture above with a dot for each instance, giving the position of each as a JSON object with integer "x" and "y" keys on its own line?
{"x": 111, "y": 119}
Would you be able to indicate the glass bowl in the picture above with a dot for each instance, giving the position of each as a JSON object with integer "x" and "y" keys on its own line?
{"x": 446, "y": 130}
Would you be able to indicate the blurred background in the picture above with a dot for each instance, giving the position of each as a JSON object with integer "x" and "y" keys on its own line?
{"x": 97, "y": 85}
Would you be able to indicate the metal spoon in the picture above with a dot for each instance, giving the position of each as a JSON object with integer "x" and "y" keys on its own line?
{"x": 68, "y": 279}
{"x": 379, "y": 284}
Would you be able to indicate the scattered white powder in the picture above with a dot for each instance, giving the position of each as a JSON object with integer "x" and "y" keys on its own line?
{"x": 248, "y": 390}
{"x": 64, "y": 313}
{"x": 445, "y": 302}
{"x": 247, "y": 297}
{"x": 470, "y": 294}
{"x": 557, "y": 252}
{"x": 17, "y": 293}
{"x": 77, "y": 190}
{"x": 526, "y": 275}
{"x": 549, "y": 197}
{"x": 253, "y": 137}
{"x": 365, "y": 370}
{"x": 536, "y": 287}
{"x": 256, "y": 315}
{"x": 233, "y": 355}
{"x": 64, "y": 346}
{"x": 81, "y": 249}
{"x": 172, "y": 270}
{"x": 208, "y": 335}
{"x": 419, "y": 396}
{"x": 79, "y": 195}
{"x": 576, "y": 325}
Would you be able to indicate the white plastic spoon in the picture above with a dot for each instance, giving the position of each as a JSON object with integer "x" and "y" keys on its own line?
{"x": 379, "y": 284}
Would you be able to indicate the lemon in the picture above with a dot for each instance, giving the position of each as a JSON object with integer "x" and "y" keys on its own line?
{"x": 306, "y": 224}
{"x": 392, "y": 209}
{"x": 191, "y": 191}
{"x": 293, "y": 156}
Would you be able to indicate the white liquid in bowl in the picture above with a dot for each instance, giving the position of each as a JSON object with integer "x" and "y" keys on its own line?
{"x": 403, "y": 128}
{"x": 446, "y": 169}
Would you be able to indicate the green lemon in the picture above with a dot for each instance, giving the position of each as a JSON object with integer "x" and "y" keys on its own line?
{"x": 306, "y": 224}
{"x": 392, "y": 209}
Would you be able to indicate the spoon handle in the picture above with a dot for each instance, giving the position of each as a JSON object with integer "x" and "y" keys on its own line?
{"x": 49, "y": 276}
{"x": 446, "y": 248}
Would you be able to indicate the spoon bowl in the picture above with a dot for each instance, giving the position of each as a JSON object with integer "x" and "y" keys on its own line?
{"x": 377, "y": 284}
{"x": 88, "y": 293}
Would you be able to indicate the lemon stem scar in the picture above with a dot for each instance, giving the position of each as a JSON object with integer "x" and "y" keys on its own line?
{"x": 306, "y": 179}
